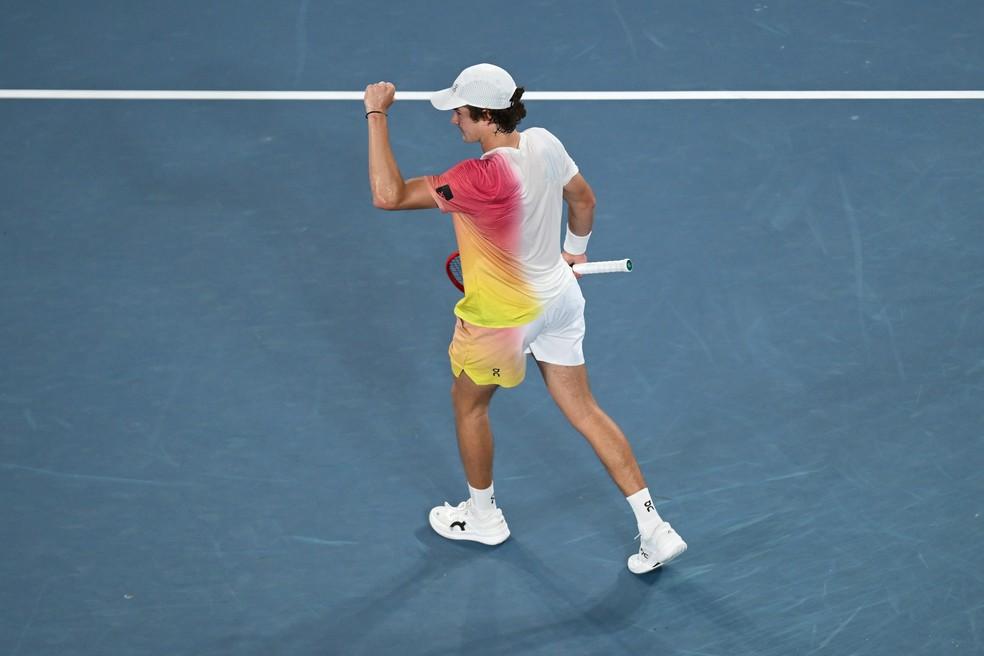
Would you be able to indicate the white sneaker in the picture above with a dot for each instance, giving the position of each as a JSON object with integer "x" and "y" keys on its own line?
{"x": 461, "y": 522}
{"x": 658, "y": 547}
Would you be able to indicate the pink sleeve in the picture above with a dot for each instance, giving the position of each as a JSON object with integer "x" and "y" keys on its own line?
{"x": 475, "y": 187}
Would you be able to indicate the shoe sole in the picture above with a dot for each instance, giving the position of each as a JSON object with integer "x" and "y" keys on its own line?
{"x": 490, "y": 540}
{"x": 652, "y": 568}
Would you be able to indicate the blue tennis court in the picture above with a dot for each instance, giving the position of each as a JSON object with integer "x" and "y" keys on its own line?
{"x": 224, "y": 408}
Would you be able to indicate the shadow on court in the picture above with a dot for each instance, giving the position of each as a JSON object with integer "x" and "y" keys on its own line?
{"x": 551, "y": 615}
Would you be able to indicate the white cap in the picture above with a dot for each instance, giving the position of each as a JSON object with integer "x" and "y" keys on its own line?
{"x": 485, "y": 86}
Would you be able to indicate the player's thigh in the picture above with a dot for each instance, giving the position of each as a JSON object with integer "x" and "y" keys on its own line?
{"x": 569, "y": 387}
{"x": 468, "y": 396}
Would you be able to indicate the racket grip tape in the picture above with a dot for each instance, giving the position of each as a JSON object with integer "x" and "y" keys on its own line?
{"x": 610, "y": 266}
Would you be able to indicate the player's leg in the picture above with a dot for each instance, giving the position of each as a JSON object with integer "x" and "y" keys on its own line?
{"x": 558, "y": 352}
{"x": 471, "y": 420}
{"x": 568, "y": 385}
{"x": 482, "y": 360}
{"x": 477, "y": 519}
{"x": 569, "y": 388}
{"x": 556, "y": 344}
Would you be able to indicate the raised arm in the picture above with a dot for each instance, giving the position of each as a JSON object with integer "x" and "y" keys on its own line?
{"x": 389, "y": 190}
{"x": 580, "y": 213}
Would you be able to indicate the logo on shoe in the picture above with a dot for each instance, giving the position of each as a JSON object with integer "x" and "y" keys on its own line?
{"x": 460, "y": 525}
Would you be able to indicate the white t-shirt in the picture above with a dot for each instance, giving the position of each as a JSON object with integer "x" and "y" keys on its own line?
{"x": 507, "y": 209}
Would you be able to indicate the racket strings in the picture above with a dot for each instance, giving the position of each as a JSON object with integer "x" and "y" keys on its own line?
{"x": 454, "y": 268}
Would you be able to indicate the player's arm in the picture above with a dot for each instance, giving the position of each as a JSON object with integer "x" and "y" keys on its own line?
{"x": 580, "y": 212}
{"x": 389, "y": 190}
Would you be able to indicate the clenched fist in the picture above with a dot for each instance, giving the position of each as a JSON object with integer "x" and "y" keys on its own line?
{"x": 380, "y": 96}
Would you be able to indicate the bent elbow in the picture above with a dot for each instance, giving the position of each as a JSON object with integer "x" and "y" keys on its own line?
{"x": 384, "y": 203}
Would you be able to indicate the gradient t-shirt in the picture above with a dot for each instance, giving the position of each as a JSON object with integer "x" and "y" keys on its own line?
{"x": 507, "y": 209}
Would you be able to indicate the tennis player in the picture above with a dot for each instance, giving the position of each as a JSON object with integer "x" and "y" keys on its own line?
{"x": 521, "y": 295}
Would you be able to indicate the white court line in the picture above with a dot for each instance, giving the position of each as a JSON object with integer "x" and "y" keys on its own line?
{"x": 90, "y": 94}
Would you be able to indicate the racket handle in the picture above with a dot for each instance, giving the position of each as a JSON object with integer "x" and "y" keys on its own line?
{"x": 610, "y": 266}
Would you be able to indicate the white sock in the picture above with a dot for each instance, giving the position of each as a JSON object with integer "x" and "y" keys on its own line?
{"x": 644, "y": 509}
{"x": 483, "y": 501}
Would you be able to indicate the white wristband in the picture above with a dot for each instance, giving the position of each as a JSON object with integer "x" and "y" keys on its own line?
{"x": 575, "y": 244}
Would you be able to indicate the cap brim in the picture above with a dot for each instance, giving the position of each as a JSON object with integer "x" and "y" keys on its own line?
{"x": 445, "y": 99}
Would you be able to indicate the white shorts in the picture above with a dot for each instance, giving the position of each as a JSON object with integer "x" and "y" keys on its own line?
{"x": 497, "y": 356}
{"x": 556, "y": 336}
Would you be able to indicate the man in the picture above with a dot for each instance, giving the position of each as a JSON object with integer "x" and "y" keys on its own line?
{"x": 521, "y": 295}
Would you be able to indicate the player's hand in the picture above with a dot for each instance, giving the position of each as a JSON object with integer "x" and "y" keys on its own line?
{"x": 574, "y": 259}
{"x": 380, "y": 96}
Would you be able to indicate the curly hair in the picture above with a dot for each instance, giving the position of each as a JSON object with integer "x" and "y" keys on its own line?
{"x": 506, "y": 119}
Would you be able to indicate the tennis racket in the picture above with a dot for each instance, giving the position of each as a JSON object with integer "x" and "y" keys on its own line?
{"x": 453, "y": 268}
